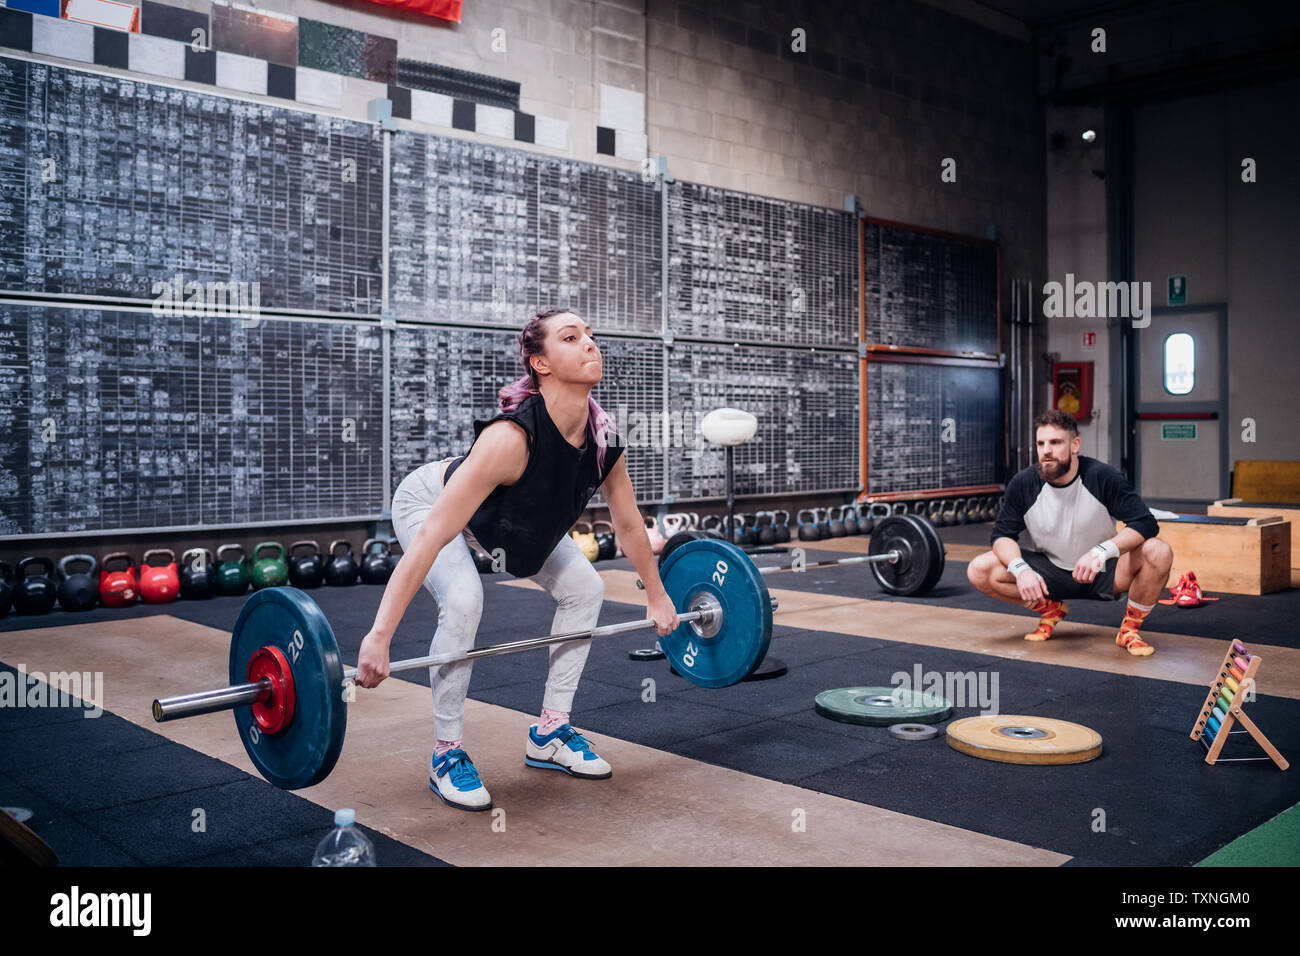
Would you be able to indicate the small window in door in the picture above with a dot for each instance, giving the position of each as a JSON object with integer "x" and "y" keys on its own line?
{"x": 1180, "y": 363}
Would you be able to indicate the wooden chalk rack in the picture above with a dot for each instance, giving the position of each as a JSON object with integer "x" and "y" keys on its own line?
{"x": 1225, "y": 706}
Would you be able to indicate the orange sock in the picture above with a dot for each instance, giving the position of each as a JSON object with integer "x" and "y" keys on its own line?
{"x": 1128, "y": 631}
{"x": 1050, "y": 613}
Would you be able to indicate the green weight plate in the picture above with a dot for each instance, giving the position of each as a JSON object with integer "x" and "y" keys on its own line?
{"x": 882, "y": 706}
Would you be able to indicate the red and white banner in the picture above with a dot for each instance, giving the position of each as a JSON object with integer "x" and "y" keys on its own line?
{"x": 443, "y": 9}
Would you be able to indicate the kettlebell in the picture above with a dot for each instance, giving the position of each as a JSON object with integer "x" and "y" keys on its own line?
{"x": 198, "y": 574}
{"x": 159, "y": 583}
{"x": 6, "y": 588}
{"x": 849, "y": 518}
{"x": 586, "y": 540}
{"x": 767, "y": 532}
{"x": 271, "y": 572}
{"x": 834, "y": 525}
{"x": 34, "y": 594}
{"x": 783, "y": 528}
{"x": 935, "y": 514}
{"x": 306, "y": 570}
{"x": 482, "y": 561}
{"x": 865, "y": 521}
{"x": 808, "y": 530}
{"x": 605, "y": 546}
{"x": 711, "y": 525}
{"x": 395, "y": 553}
{"x": 962, "y": 508}
{"x": 949, "y": 511}
{"x": 118, "y": 588}
{"x": 657, "y": 537}
{"x": 879, "y": 512}
{"x": 78, "y": 590}
{"x": 341, "y": 570}
{"x": 824, "y": 521}
{"x": 375, "y": 568}
{"x": 749, "y": 533}
{"x": 233, "y": 574}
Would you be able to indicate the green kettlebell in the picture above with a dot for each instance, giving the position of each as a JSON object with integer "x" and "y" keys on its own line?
{"x": 270, "y": 572}
{"x": 232, "y": 573}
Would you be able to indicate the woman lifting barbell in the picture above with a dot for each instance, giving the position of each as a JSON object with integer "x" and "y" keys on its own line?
{"x": 527, "y": 477}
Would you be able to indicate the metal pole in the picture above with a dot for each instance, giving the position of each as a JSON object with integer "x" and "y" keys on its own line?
{"x": 210, "y": 701}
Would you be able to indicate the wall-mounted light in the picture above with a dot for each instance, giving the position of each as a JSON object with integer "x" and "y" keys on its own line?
{"x": 1089, "y": 135}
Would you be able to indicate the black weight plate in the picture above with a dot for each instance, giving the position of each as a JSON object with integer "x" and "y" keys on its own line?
{"x": 680, "y": 538}
{"x": 921, "y": 560}
{"x": 646, "y": 654}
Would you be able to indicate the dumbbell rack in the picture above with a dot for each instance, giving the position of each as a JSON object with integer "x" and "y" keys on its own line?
{"x": 1239, "y": 668}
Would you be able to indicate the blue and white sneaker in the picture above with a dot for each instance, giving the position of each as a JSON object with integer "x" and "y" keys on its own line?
{"x": 565, "y": 749}
{"x": 453, "y": 778}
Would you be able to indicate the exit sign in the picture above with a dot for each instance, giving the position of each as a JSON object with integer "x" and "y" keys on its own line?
{"x": 1089, "y": 340}
{"x": 1178, "y": 431}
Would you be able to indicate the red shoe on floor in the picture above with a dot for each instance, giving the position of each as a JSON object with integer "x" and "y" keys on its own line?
{"x": 1187, "y": 593}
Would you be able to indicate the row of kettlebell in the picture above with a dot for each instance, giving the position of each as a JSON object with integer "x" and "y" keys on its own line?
{"x": 598, "y": 545}
{"x": 78, "y": 582}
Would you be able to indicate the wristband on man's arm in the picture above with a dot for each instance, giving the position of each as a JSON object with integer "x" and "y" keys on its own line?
{"x": 1018, "y": 567}
{"x": 1107, "y": 549}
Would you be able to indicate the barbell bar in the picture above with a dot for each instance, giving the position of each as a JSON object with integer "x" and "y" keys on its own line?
{"x": 239, "y": 695}
{"x": 289, "y": 692}
{"x": 906, "y": 555}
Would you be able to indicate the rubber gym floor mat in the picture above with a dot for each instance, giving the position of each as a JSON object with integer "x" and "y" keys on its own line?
{"x": 105, "y": 792}
{"x": 1275, "y": 843}
{"x": 657, "y": 809}
{"x": 1159, "y": 803}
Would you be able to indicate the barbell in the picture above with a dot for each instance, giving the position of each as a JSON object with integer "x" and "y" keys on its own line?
{"x": 906, "y": 555}
{"x": 289, "y": 691}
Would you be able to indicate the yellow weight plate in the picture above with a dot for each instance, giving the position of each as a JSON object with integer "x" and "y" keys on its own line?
{"x": 1015, "y": 738}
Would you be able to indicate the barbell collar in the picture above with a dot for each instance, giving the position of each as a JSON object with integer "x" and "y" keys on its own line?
{"x": 211, "y": 701}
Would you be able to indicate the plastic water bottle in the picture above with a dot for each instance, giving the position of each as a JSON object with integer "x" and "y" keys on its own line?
{"x": 345, "y": 845}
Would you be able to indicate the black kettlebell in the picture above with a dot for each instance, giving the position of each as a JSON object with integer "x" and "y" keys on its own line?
{"x": 78, "y": 590}
{"x": 198, "y": 574}
{"x": 6, "y": 588}
{"x": 782, "y": 526}
{"x": 395, "y": 553}
{"x": 713, "y": 530}
{"x": 834, "y": 525}
{"x": 865, "y": 520}
{"x": 935, "y": 514}
{"x": 824, "y": 521}
{"x": 482, "y": 561}
{"x": 34, "y": 594}
{"x": 879, "y": 512}
{"x": 374, "y": 562}
{"x": 767, "y": 533}
{"x": 605, "y": 540}
{"x": 808, "y": 530}
{"x": 849, "y": 517}
{"x": 900, "y": 508}
{"x": 341, "y": 569}
{"x": 307, "y": 569}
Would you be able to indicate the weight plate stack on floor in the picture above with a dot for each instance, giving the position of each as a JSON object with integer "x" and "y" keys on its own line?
{"x": 882, "y": 706}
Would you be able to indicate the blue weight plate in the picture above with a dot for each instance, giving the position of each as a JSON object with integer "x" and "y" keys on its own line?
{"x": 305, "y": 751}
{"x": 724, "y": 572}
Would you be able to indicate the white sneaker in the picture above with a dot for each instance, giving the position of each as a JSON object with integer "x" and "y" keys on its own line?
{"x": 565, "y": 749}
{"x": 453, "y": 778}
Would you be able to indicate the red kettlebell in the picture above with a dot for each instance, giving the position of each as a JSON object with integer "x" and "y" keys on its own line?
{"x": 118, "y": 588}
{"x": 159, "y": 583}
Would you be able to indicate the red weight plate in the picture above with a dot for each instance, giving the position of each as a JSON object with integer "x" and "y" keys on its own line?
{"x": 273, "y": 714}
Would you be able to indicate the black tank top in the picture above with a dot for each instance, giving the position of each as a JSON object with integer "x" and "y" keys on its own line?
{"x": 528, "y": 519}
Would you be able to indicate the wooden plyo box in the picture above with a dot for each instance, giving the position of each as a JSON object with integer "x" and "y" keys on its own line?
{"x": 1236, "y": 508}
{"x": 1232, "y": 555}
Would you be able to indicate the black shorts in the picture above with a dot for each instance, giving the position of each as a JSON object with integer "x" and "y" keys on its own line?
{"x": 1061, "y": 584}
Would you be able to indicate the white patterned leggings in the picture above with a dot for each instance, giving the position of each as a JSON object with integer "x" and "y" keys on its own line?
{"x": 453, "y": 580}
